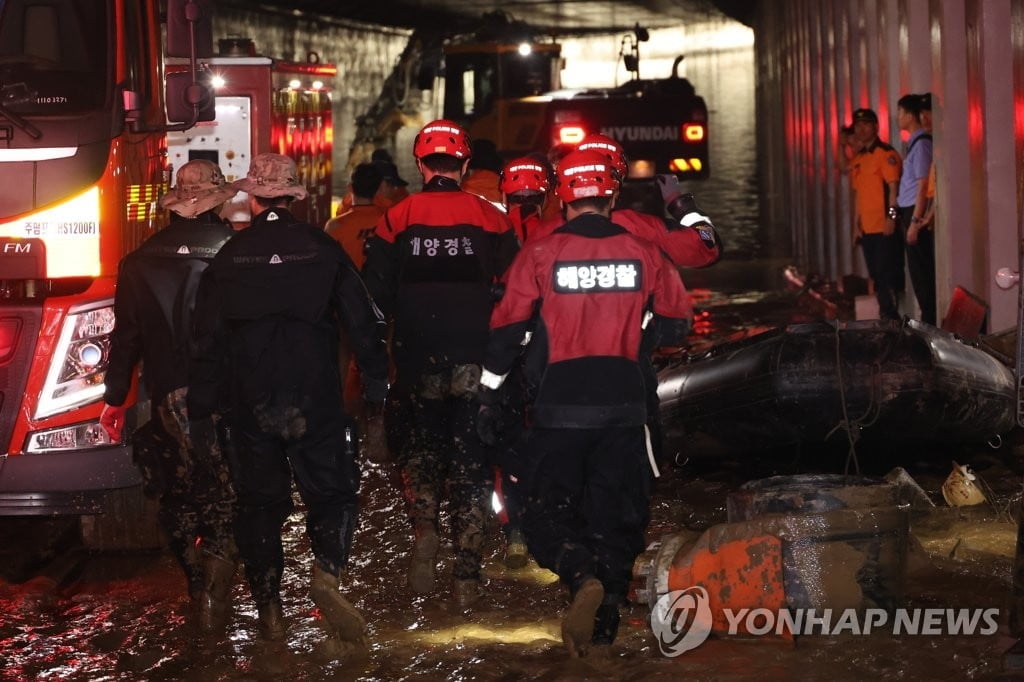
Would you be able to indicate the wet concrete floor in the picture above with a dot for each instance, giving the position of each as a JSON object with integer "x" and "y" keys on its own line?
{"x": 69, "y": 615}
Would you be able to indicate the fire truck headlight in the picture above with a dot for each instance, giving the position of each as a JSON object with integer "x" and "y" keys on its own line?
{"x": 73, "y": 437}
{"x": 79, "y": 361}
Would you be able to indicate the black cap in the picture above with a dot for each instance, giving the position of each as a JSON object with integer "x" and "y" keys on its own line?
{"x": 366, "y": 179}
{"x": 389, "y": 172}
{"x": 864, "y": 115}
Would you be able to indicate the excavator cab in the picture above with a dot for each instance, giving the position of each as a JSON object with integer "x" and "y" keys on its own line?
{"x": 481, "y": 80}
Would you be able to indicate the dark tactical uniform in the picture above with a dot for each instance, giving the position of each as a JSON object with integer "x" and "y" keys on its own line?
{"x": 156, "y": 291}
{"x": 585, "y": 471}
{"x": 267, "y": 356}
{"x": 431, "y": 267}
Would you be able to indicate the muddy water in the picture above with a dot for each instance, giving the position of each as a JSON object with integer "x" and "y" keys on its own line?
{"x": 125, "y": 617}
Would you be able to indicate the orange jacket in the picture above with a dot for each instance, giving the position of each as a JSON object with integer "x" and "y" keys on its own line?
{"x": 353, "y": 227}
{"x": 872, "y": 170}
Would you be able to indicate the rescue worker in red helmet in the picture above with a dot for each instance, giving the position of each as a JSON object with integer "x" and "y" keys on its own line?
{"x": 525, "y": 184}
{"x": 432, "y": 267}
{"x": 587, "y": 294}
{"x": 688, "y": 238}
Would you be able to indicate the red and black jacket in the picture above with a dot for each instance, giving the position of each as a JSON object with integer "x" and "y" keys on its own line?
{"x": 431, "y": 267}
{"x": 687, "y": 247}
{"x": 585, "y": 293}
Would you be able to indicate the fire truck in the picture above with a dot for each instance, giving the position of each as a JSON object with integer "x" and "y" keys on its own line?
{"x": 84, "y": 111}
{"x": 263, "y": 105}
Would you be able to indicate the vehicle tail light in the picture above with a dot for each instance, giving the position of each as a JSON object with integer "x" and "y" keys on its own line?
{"x": 685, "y": 165}
{"x": 693, "y": 132}
{"x": 571, "y": 134}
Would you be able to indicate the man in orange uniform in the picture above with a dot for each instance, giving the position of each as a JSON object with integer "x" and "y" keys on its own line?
{"x": 351, "y": 229}
{"x": 354, "y": 226}
{"x": 484, "y": 168}
{"x": 875, "y": 171}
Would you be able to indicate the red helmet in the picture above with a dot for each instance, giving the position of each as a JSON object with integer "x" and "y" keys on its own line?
{"x": 586, "y": 174}
{"x": 610, "y": 148}
{"x": 524, "y": 173}
{"x": 442, "y": 137}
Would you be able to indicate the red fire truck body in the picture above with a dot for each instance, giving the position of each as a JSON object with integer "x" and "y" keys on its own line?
{"x": 83, "y": 162}
{"x": 265, "y": 105}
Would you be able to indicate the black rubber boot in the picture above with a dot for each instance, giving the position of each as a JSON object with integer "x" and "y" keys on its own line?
{"x": 606, "y": 623}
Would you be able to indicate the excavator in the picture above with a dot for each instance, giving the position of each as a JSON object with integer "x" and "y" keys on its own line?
{"x": 502, "y": 81}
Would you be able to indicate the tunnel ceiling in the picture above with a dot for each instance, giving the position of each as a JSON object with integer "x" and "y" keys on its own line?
{"x": 564, "y": 17}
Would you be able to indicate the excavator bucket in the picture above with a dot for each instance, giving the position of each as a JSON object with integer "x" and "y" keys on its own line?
{"x": 740, "y": 574}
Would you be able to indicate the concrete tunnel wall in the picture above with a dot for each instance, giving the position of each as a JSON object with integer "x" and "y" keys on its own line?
{"x": 818, "y": 60}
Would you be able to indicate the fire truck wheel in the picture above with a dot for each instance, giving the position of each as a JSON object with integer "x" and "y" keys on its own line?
{"x": 128, "y": 522}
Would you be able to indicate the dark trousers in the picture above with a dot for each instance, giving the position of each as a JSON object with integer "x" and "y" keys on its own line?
{"x": 270, "y": 446}
{"x": 444, "y": 457}
{"x": 588, "y": 503}
{"x": 921, "y": 265}
{"x": 189, "y": 474}
{"x": 883, "y": 255}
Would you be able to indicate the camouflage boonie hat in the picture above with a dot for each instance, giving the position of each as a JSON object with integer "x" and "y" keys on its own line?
{"x": 198, "y": 187}
{"x": 271, "y": 176}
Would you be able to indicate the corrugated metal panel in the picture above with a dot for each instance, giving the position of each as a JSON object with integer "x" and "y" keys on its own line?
{"x": 820, "y": 60}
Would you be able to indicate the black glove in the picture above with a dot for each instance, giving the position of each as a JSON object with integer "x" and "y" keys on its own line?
{"x": 490, "y": 418}
{"x": 684, "y": 210}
